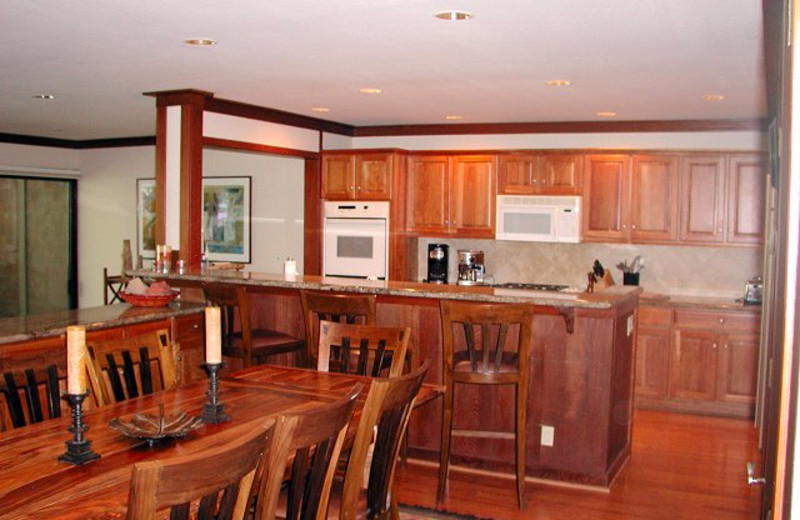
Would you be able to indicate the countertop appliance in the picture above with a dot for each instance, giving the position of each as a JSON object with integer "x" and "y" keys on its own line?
{"x": 470, "y": 267}
{"x": 356, "y": 239}
{"x": 437, "y": 263}
{"x": 533, "y": 218}
{"x": 753, "y": 291}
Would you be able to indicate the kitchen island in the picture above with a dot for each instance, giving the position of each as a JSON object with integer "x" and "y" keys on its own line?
{"x": 585, "y": 343}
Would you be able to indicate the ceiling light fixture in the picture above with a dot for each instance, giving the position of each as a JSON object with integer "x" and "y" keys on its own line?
{"x": 370, "y": 90}
{"x": 607, "y": 114}
{"x": 454, "y": 117}
{"x": 558, "y": 83}
{"x": 454, "y": 15}
{"x": 713, "y": 97}
{"x": 44, "y": 96}
{"x": 200, "y": 42}
{"x": 320, "y": 109}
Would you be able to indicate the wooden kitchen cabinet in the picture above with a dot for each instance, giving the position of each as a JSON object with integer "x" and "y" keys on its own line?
{"x": 746, "y": 185}
{"x": 357, "y": 176}
{"x": 654, "y": 198}
{"x": 188, "y": 332}
{"x": 449, "y": 195}
{"x": 605, "y": 198}
{"x": 544, "y": 174}
{"x": 702, "y": 180}
{"x": 653, "y": 339}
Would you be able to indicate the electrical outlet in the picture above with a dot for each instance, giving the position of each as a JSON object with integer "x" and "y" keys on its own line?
{"x": 548, "y": 435}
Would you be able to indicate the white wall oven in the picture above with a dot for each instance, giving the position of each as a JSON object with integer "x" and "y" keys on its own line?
{"x": 356, "y": 239}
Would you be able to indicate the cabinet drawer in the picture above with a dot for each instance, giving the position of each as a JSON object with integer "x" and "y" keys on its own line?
{"x": 655, "y": 317}
{"x": 188, "y": 327}
{"x": 721, "y": 321}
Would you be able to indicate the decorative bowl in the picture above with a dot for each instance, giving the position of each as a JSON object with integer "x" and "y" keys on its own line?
{"x": 153, "y": 428}
{"x": 148, "y": 300}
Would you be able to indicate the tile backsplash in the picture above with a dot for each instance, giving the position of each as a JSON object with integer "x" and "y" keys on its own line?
{"x": 675, "y": 270}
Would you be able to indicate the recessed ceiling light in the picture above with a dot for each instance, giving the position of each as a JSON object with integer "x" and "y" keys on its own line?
{"x": 558, "y": 83}
{"x": 370, "y": 90}
{"x": 320, "y": 109}
{"x": 454, "y": 117}
{"x": 454, "y": 15}
{"x": 607, "y": 114}
{"x": 200, "y": 42}
{"x": 44, "y": 96}
{"x": 713, "y": 97}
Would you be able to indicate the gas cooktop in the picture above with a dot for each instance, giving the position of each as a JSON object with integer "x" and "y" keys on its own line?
{"x": 531, "y": 286}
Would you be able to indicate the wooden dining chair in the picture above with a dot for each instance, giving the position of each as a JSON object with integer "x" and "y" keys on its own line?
{"x": 378, "y": 438}
{"x": 311, "y": 440}
{"x": 347, "y": 308}
{"x": 361, "y": 349}
{"x": 120, "y": 369}
{"x": 486, "y": 344}
{"x": 239, "y": 338}
{"x": 214, "y": 483}
{"x": 31, "y": 387}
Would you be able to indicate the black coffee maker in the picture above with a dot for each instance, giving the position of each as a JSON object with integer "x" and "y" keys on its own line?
{"x": 437, "y": 263}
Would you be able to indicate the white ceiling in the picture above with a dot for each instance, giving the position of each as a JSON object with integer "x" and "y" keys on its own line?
{"x": 644, "y": 59}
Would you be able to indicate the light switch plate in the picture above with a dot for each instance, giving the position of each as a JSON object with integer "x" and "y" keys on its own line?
{"x": 548, "y": 435}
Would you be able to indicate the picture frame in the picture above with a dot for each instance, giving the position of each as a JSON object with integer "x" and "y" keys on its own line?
{"x": 227, "y": 219}
{"x": 146, "y": 218}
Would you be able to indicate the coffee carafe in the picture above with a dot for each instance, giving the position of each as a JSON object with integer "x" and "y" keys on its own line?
{"x": 437, "y": 263}
{"x": 470, "y": 267}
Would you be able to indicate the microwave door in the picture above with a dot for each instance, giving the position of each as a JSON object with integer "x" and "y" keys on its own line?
{"x": 530, "y": 224}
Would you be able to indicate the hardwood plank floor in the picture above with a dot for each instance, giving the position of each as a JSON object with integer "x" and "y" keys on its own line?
{"x": 682, "y": 467}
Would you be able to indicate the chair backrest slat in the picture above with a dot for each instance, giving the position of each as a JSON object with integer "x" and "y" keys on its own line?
{"x": 376, "y": 347}
{"x": 27, "y": 390}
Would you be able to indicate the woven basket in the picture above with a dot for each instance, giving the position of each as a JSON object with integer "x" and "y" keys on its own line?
{"x": 148, "y": 300}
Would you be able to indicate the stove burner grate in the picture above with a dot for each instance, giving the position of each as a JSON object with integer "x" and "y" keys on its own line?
{"x": 532, "y": 286}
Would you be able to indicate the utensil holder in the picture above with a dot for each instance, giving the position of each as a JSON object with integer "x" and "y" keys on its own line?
{"x": 630, "y": 278}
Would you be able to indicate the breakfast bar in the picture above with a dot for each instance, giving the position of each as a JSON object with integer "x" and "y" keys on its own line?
{"x": 585, "y": 342}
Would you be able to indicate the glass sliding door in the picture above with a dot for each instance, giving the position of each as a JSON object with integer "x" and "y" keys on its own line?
{"x": 38, "y": 250}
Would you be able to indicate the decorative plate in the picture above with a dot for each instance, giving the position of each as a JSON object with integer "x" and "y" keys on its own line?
{"x": 148, "y": 300}
{"x": 153, "y": 428}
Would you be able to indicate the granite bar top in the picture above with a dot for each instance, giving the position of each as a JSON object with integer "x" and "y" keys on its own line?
{"x": 23, "y": 328}
{"x": 695, "y": 302}
{"x": 606, "y": 299}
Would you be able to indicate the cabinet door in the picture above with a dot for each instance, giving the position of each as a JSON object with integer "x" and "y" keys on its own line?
{"x": 693, "y": 371}
{"x": 427, "y": 194}
{"x": 605, "y": 198}
{"x": 338, "y": 182}
{"x": 654, "y": 198}
{"x": 745, "y": 199}
{"x": 652, "y": 362}
{"x": 473, "y": 196}
{"x": 560, "y": 174}
{"x": 373, "y": 176}
{"x": 515, "y": 175}
{"x": 738, "y": 368}
{"x": 702, "y": 182}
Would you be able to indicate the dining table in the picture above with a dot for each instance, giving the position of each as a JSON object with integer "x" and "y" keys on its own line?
{"x": 35, "y": 484}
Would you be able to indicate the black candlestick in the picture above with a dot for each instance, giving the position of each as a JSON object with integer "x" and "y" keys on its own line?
{"x": 214, "y": 411}
{"x": 79, "y": 449}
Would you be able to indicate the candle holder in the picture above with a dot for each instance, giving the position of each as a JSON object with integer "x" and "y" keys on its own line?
{"x": 214, "y": 411}
{"x": 79, "y": 449}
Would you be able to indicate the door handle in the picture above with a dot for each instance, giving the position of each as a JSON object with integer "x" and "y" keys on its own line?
{"x": 752, "y": 480}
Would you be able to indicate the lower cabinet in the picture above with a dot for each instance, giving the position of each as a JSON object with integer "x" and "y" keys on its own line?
{"x": 188, "y": 334}
{"x": 698, "y": 361}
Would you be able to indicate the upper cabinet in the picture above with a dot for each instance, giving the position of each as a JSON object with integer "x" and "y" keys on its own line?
{"x": 542, "y": 174}
{"x": 654, "y": 198}
{"x": 359, "y": 176}
{"x": 722, "y": 199}
{"x": 605, "y": 198}
{"x": 451, "y": 195}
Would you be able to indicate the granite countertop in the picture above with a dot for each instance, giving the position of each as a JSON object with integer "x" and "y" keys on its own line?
{"x": 23, "y": 328}
{"x": 605, "y": 299}
{"x": 695, "y": 302}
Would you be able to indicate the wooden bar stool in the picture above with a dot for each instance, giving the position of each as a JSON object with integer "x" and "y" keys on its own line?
{"x": 486, "y": 344}
{"x": 344, "y": 308}
{"x": 251, "y": 345}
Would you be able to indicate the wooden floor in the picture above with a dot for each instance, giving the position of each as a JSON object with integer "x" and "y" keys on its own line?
{"x": 682, "y": 467}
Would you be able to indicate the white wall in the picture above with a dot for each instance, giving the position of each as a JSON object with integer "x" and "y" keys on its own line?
{"x": 107, "y": 213}
{"x": 277, "y": 203}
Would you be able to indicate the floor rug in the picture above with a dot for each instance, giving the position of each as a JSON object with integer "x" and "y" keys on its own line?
{"x": 425, "y": 513}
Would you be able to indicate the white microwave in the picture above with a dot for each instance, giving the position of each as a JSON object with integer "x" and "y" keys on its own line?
{"x": 533, "y": 218}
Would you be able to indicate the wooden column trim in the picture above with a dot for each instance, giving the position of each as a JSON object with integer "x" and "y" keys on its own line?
{"x": 161, "y": 175}
{"x": 312, "y": 236}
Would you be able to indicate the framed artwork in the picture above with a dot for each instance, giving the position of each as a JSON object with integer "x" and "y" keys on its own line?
{"x": 226, "y": 219}
{"x": 146, "y": 217}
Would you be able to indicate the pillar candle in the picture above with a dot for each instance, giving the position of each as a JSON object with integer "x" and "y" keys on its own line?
{"x": 213, "y": 336}
{"x": 76, "y": 360}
